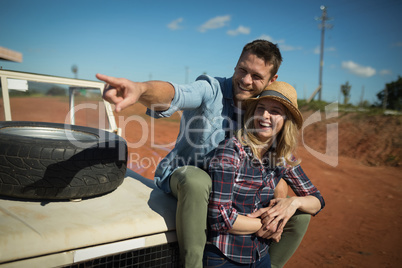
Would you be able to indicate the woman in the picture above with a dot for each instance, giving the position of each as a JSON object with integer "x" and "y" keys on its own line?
{"x": 245, "y": 171}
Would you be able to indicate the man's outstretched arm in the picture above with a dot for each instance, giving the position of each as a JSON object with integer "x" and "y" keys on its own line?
{"x": 156, "y": 95}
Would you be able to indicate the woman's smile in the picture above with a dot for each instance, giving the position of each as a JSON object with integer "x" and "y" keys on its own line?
{"x": 269, "y": 117}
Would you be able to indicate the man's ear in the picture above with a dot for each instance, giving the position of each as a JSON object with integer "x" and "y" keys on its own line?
{"x": 273, "y": 78}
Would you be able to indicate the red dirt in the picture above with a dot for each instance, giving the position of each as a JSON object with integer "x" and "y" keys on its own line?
{"x": 359, "y": 227}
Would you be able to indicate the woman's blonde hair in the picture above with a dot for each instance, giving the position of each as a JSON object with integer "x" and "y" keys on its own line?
{"x": 284, "y": 145}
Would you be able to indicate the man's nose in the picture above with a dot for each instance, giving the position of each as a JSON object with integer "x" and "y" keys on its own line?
{"x": 247, "y": 79}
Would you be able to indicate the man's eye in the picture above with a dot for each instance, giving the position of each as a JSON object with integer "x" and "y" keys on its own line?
{"x": 242, "y": 70}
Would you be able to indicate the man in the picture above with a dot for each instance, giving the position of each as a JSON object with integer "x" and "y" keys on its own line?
{"x": 212, "y": 109}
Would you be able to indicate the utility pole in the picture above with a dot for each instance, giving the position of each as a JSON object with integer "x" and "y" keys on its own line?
{"x": 362, "y": 97}
{"x": 385, "y": 100}
{"x": 323, "y": 25}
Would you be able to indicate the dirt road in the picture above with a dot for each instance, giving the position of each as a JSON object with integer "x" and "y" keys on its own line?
{"x": 360, "y": 225}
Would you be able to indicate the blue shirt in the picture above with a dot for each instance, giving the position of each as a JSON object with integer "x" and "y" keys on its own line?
{"x": 207, "y": 106}
{"x": 241, "y": 184}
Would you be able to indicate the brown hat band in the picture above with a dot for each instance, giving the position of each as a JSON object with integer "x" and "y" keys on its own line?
{"x": 273, "y": 93}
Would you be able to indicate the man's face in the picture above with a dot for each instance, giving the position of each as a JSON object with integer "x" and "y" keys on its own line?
{"x": 251, "y": 76}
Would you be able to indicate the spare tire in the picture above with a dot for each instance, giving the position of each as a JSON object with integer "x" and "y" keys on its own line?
{"x": 59, "y": 161}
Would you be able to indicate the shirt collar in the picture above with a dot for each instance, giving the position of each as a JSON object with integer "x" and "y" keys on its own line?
{"x": 228, "y": 90}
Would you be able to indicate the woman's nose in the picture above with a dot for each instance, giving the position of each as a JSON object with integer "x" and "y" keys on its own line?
{"x": 266, "y": 113}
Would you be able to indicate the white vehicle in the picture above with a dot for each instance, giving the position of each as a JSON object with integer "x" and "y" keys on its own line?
{"x": 66, "y": 196}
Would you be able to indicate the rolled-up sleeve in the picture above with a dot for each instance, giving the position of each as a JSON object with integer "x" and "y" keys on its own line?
{"x": 222, "y": 169}
{"x": 301, "y": 184}
{"x": 189, "y": 96}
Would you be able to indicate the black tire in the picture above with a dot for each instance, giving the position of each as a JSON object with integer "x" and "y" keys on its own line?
{"x": 59, "y": 161}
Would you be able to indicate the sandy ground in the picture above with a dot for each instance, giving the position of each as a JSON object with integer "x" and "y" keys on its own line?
{"x": 360, "y": 225}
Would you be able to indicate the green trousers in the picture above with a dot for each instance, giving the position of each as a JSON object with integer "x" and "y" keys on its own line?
{"x": 192, "y": 186}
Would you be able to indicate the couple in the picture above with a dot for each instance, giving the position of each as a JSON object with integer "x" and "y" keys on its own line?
{"x": 212, "y": 111}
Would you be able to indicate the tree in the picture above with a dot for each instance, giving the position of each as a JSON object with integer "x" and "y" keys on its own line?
{"x": 56, "y": 91}
{"x": 74, "y": 69}
{"x": 391, "y": 96}
{"x": 345, "y": 89}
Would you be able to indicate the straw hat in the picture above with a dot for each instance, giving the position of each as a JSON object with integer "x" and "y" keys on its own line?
{"x": 283, "y": 93}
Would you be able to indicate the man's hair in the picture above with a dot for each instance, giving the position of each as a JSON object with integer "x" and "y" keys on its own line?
{"x": 265, "y": 50}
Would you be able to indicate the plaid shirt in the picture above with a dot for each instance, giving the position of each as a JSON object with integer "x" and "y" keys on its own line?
{"x": 242, "y": 185}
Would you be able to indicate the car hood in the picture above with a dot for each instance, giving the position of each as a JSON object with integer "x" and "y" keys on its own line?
{"x": 36, "y": 228}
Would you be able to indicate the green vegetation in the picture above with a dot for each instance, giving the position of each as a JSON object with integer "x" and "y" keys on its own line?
{"x": 56, "y": 91}
{"x": 391, "y": 96}
{"x": 28, "y": 93}
{"x": 389, "y": 101}
{"x": 36, "y": 91}
{"x": 312, "y": 105}
{"x": 345, "y": 89}
{"x": 363, "y": 109}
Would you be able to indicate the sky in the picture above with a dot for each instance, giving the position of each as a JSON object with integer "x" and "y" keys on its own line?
{"x": 178, "y": 40}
